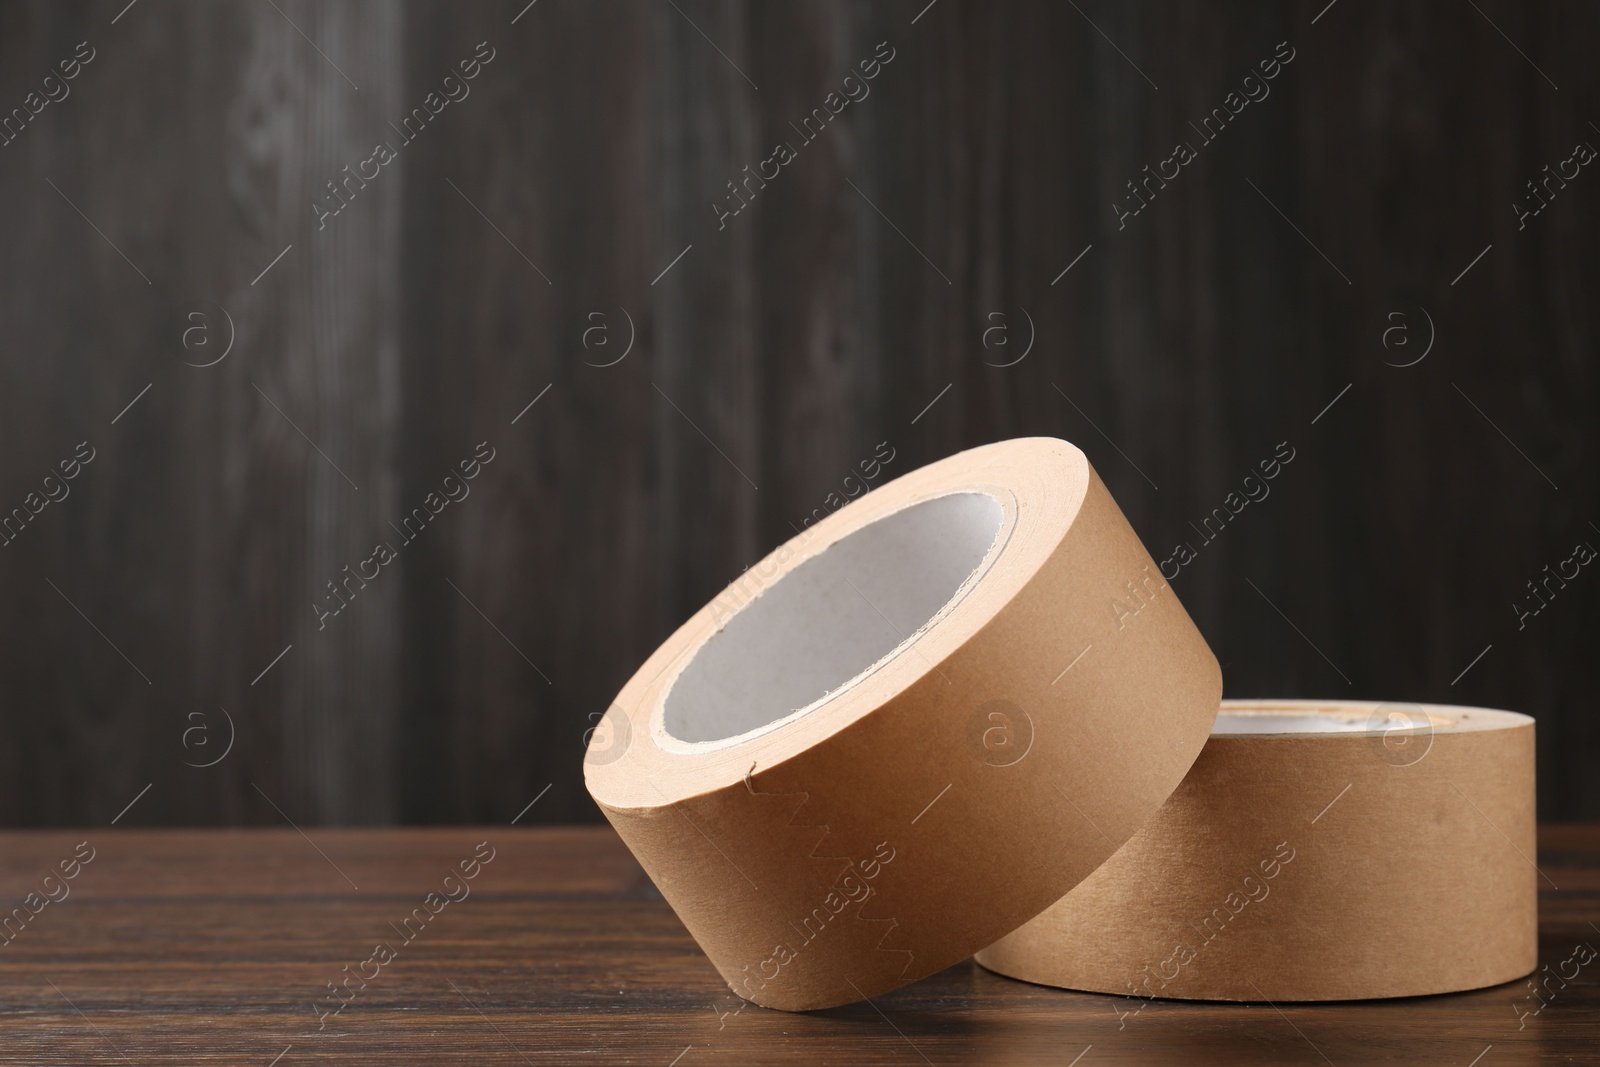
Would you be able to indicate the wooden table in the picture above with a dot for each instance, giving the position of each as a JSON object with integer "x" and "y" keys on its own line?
{"x": 187, "y": 947}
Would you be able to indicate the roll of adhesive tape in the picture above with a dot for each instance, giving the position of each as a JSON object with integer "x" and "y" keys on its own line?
{"x": 840, "y": 773}
{"x": 1317, "y": 851}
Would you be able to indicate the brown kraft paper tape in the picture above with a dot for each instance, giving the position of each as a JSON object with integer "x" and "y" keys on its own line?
{"x": 843, "y": 772}
{"x": 1318, "y": 850}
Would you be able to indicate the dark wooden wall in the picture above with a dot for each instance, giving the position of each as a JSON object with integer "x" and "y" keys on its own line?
{"x": 777, "y": 351}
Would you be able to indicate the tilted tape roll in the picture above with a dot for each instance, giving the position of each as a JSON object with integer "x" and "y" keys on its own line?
{"x": 909, "y": 729}
{"x": 1318, "y": 850}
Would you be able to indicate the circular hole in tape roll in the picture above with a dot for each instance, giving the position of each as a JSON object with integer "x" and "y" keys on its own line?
{"x": 1292, "y": 862}
{"x": 909, "y": 729}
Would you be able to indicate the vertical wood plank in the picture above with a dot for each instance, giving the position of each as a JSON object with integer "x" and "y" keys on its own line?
{"x": 786, "y": 342}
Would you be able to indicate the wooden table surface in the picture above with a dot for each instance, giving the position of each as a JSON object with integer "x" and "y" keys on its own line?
{"x": 191, "y": 947}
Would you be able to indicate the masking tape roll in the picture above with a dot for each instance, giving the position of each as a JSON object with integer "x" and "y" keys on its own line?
{"x": 840, "y": 772}
{"x": 1318, "y": 850}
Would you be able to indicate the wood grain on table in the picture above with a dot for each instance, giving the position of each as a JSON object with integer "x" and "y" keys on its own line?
{"x": 218, "y": 947}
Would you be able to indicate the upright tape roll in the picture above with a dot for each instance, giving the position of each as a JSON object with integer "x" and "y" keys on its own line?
{"x": 1317, "y": 851}
{"x": 841, "y": 772}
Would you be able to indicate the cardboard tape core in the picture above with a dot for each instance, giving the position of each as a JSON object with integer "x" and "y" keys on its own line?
{"x": 1318, "y": 721}
{"x": 833, "y": 618}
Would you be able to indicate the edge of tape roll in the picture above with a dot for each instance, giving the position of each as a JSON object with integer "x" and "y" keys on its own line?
{"x": 840, "y": 773}
{"x": 1317, "y": 850}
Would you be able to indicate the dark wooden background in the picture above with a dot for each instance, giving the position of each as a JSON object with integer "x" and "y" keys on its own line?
{"x": 776, "y": 352}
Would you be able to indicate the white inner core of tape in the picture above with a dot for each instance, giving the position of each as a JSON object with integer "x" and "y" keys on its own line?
{"x": 1233, "y": 722}
{"x": 832, "y": 618}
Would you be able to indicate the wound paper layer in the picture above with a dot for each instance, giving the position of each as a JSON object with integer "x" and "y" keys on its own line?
{"x": 1318, "y": 850}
